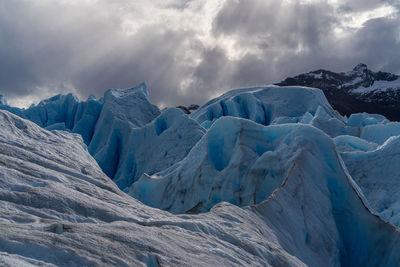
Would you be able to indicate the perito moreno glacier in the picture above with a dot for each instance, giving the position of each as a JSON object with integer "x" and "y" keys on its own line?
{"x": 263, "y": 176}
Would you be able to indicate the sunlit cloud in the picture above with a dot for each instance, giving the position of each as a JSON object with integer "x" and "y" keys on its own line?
{"x": 186, "y": 50}
{"x": 355, "y": 20}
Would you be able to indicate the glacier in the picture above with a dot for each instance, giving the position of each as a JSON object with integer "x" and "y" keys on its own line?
{"x": 260, "y": 176}
{"x": 154, "y": 147}
{"x": 265, "y": 105}
{"x": 59, "y": 208}
{"x": 109, "y": 123}
{"x": 116, "y": 128}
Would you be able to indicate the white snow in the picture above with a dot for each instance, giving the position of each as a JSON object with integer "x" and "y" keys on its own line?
{"x": 355, "y": 81}
{"x": 381, "y": 86}
{"x": 315, "y": 75}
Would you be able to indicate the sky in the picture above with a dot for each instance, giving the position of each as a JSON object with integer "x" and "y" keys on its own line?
{"x": 187, "y": 51}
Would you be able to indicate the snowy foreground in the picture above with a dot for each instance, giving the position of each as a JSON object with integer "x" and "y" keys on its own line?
{"x": 257, "y": 177}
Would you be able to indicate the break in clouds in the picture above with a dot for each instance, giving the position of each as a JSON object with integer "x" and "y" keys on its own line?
{"x": 187, "y": 51}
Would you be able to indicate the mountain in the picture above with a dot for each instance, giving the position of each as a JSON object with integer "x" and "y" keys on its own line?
{"x": 356, "y": 91}
{"x": 188, "y": 109}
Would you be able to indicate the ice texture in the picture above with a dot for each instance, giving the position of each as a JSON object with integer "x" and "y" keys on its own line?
{"x": 236, "y": 161}
{"x": 377, "y": 172}
{"x": 122, "y": 111}
{"x": 63, "y": 112}
{"x": 117, "y": 132}
{"x": 265, "y": 105}
{"x": 348, "y": 143}
{"x": 363, "y": 119}
{"x": 154, "y": 147}
{"x": 59, "y": 208}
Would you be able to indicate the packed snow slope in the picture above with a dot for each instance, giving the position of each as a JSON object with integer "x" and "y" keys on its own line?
{"x": 59, "y": 208}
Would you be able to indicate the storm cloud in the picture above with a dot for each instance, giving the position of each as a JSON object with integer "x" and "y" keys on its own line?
{"x": 186, "y": 51}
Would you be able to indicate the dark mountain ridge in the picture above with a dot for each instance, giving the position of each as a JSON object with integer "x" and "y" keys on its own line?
{"x": 359, "y": 90}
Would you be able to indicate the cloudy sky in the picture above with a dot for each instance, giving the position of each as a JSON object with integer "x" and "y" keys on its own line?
{"x": 187, "y": 51}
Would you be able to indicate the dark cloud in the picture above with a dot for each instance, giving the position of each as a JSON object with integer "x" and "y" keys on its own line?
{"x": 379, "y": 42}
{"x": 48, "y": 47}
{"x": 301, "y": 37}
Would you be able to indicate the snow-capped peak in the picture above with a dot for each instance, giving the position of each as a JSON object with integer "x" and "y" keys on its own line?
{"x": 355, "y": 91}
{"x": 360, "y": 67}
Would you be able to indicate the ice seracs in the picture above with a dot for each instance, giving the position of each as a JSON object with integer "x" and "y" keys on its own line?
{"x": 274, "y": 175}
{"x": 377, "y": 172}
{"x": 116, "y": 131}
{"x": 122, "y": 111}
{"x": 236, "y": 161}
{"x": 155, "y": 147}
{"x": 63, "y": 112}
{"x": 348, "y": 143}
{"x": 86, "y": 116}
{"x": 265, "y": 105}
{"x": 59, "y": 208}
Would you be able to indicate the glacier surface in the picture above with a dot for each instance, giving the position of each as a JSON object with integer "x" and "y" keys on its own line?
{"x": 117, "y": 130}
{"x": 259, "y": 176}
{"x": 265, "y": 105}
{"x": 59, "y": 208}
{"x": 377, "y": 172}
